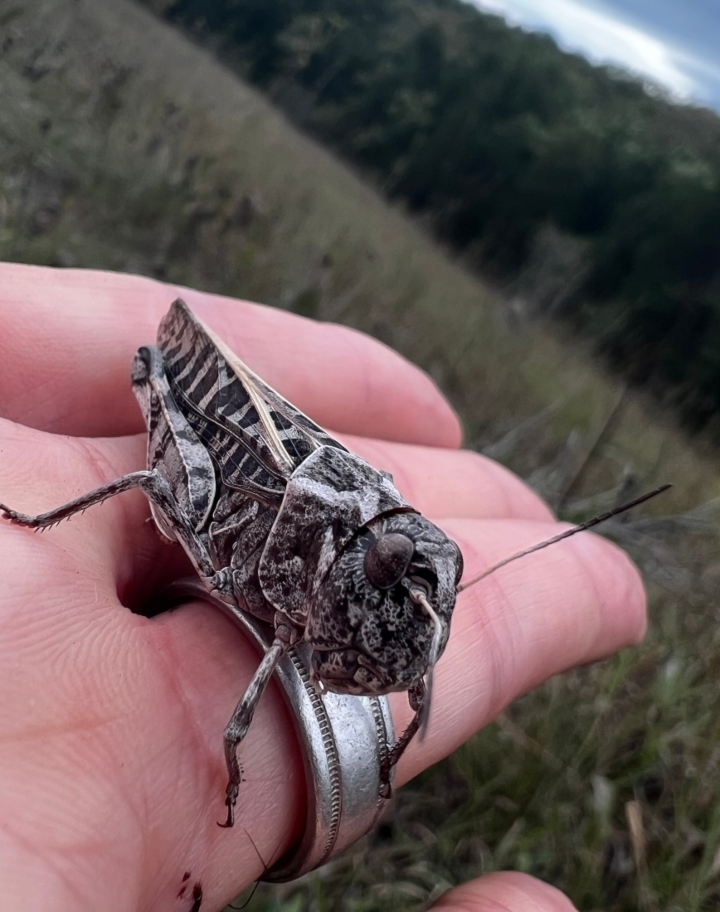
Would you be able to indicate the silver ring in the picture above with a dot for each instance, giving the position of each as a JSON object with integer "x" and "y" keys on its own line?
{"x": 343, "y": 740}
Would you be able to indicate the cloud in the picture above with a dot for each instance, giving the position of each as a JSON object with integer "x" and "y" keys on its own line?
{"x": 603, "y": 36}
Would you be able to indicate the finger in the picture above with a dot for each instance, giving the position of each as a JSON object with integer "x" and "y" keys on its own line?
{"x": 441, "y": 483}
{"x": 574, "y": 603}
{"x": 504, "y": 892}
{"x": 69, "y": 337}
{"x": 40, "y": 472}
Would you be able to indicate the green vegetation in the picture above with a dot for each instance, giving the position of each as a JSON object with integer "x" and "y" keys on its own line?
{"x": 521, "y": 156}
{"x": 124, "y": 146}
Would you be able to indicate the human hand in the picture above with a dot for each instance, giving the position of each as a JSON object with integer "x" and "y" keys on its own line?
{"x": 111, "y": 757}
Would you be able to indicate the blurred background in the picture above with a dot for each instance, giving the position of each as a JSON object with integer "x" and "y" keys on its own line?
{"x": 524, "y": 198}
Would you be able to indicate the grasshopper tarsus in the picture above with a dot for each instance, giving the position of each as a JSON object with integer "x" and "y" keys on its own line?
{"x": 19, "y": 519}
{"x": 230, "y": 819}
{"x": 24, "y": 519}
{"x": 231, "y": 795}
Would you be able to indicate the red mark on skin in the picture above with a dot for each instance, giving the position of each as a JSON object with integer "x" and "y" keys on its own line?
{"x": 197, "y": 897}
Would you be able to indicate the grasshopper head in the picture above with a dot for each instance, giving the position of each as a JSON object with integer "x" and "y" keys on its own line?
{"x": 381, "y": 617}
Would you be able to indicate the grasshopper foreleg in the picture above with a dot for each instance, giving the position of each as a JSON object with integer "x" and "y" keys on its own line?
{"x": 240, "y": 722}
{"x": 416, "y": 698}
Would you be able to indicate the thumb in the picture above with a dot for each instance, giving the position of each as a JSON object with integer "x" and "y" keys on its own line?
{"x": 504, "y": 892}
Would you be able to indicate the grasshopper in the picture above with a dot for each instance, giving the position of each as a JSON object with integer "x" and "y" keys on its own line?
{"x": 283, "y": 523}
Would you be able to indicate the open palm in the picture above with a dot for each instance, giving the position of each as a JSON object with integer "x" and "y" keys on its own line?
{"x": 111, "y": 766}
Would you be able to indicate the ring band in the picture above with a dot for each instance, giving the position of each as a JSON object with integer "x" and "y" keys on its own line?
{"x": 343, "y": 740}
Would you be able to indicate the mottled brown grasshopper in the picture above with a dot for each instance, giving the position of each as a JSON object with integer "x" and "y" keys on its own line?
{"x": 282, "y": 522}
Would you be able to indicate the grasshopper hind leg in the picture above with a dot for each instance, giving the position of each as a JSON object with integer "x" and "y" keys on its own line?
{"x": 160, "y": 495}
{"x": 79, "y": 505}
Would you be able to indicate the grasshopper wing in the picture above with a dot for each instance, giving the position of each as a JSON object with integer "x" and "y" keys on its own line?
{"x": 256, "y": 437}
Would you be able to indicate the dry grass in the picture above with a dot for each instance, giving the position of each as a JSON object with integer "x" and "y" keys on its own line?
{"x": 122, "y": 146}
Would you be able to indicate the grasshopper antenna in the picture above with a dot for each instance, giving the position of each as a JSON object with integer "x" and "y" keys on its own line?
{"x": 266, "y": 868}
{"x": 575, "y": 529}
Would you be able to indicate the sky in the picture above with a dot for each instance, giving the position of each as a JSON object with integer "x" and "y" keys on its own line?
{"x": 674, "y": 43}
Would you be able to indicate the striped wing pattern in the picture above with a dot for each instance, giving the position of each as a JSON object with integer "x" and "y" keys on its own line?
{"x": 256, "y": 438}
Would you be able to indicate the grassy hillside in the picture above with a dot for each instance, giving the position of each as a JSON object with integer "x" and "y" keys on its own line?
{"x": 123, "y": 146}
{"x": 532, "y": 162}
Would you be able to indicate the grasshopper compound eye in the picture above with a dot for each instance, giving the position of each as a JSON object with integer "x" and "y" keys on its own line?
{"x": 387, "y": 559}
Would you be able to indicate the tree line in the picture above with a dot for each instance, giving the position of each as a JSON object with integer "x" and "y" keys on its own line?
{"x": 593, "y": 195}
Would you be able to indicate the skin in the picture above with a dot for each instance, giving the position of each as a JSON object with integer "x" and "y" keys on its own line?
{"x": 110, "y": 754}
